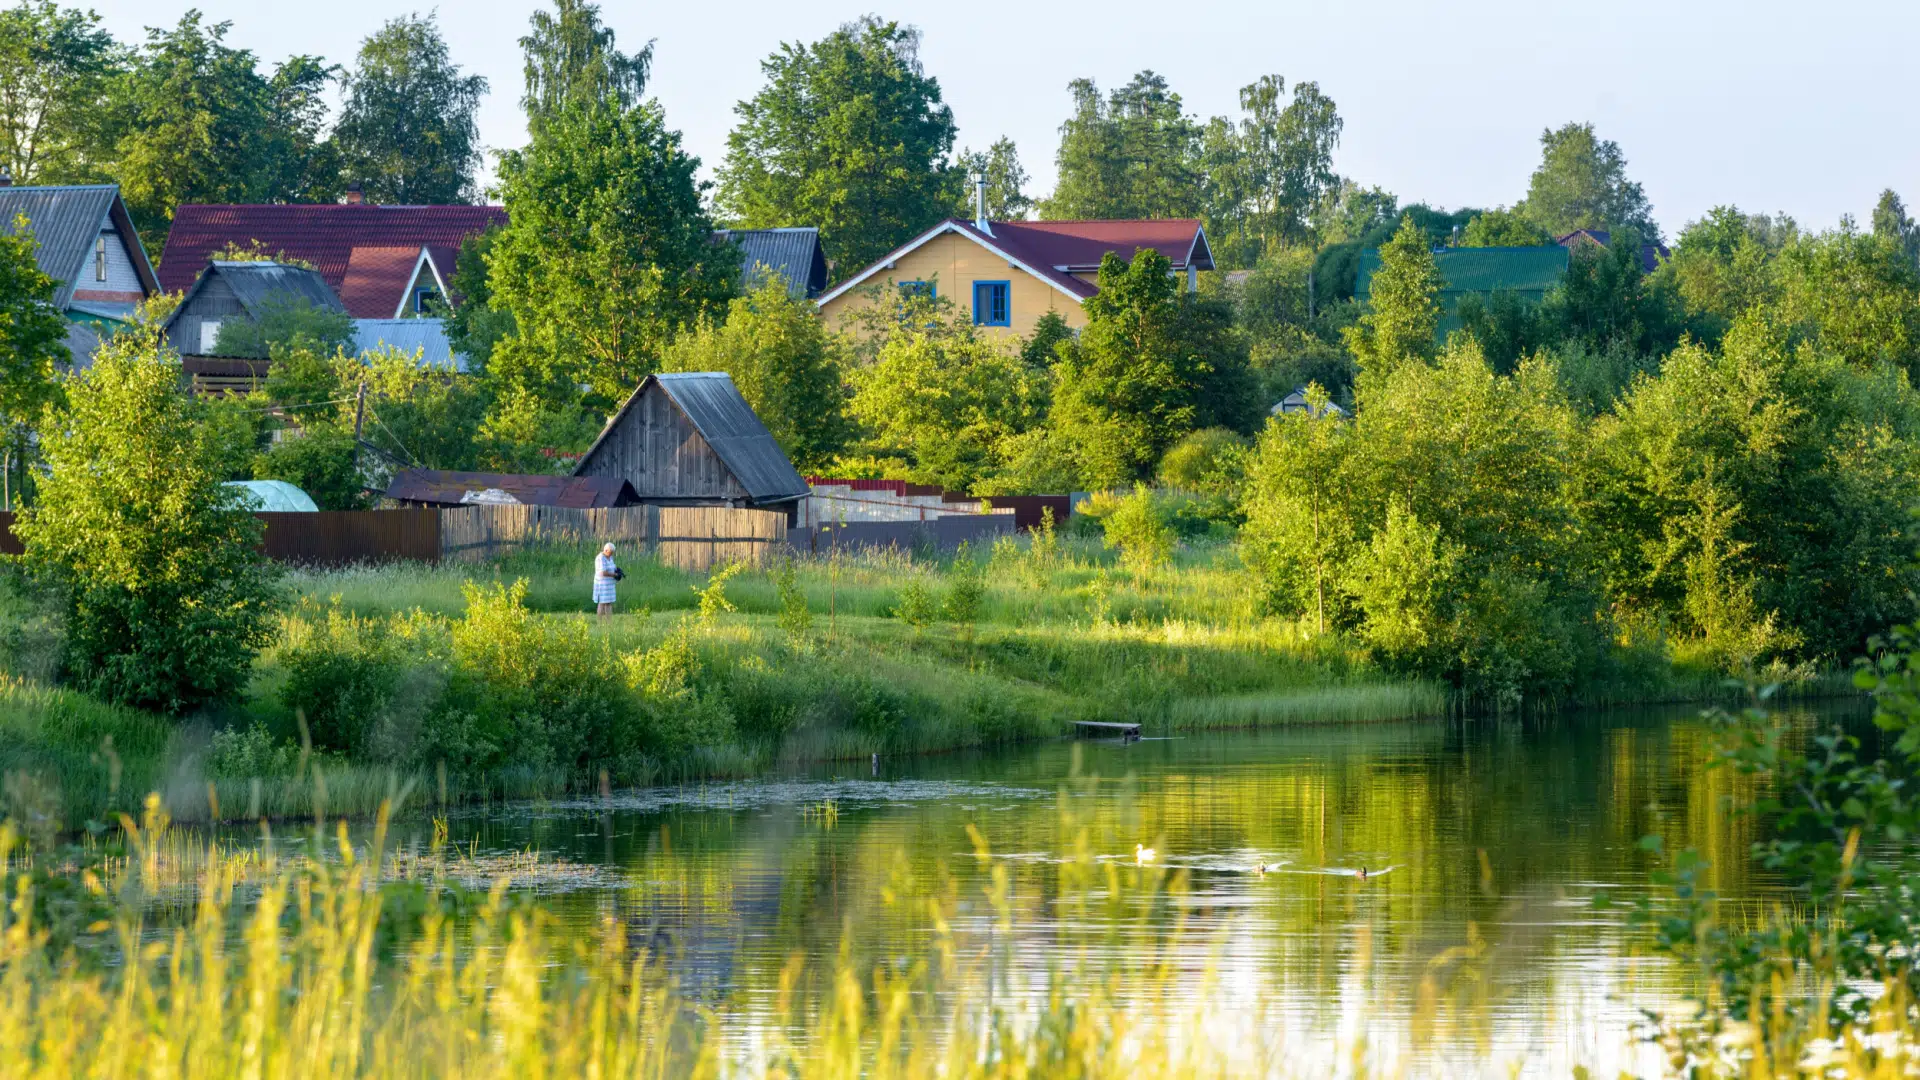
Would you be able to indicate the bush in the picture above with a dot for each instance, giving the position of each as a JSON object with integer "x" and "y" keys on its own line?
{"x": 916, "y": 606}
{"x": 320, "y": 463}
{"x": 165, "y": 593}
{"x": 1213, "y": 460}
{"x": 1139, "y": 529}
{"x": 252, "y": 752}
{"x": 342, "y": 674}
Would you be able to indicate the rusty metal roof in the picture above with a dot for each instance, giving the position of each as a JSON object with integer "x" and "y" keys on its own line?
{"x": 730, "y": 426}
{"x": 442, "y": 488}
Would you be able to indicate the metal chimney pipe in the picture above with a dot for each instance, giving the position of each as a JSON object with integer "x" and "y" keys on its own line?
{"x": 980, "y": 203}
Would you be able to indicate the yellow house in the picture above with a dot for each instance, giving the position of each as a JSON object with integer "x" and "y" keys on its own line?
{"x": 1007, "y": 274}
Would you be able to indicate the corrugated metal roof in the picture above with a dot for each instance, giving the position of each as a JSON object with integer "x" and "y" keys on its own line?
{"x": 728, "y": 423}
{"x": 443, "y": 488}
{"x": 426, "y": 336}
{"x": 254, "y": 282}
{"x": 793, "y": 253}
{"x": 65, "y": 221}
{"x": 1484, "y": 270}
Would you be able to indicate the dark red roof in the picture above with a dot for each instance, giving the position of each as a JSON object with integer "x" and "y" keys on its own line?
{"x": 370, "y": 283}
{"x": 437, "y": 487}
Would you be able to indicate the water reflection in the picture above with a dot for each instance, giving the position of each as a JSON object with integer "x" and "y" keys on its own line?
{"x": 1472, "y": 943}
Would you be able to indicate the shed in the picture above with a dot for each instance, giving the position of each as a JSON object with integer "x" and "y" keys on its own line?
{"x": 793, "y": 253}
{"x": 690, "y": 439}
{"x": 226, "y": 290}
{"x": 440, "y": 488}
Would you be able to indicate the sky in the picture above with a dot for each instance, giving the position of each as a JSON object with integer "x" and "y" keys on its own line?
{"x": 1795, "y": 107}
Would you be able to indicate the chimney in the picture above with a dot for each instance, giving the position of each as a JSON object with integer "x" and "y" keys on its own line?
{"x": 980, "y": 203}
{"x": 355, "y": 194}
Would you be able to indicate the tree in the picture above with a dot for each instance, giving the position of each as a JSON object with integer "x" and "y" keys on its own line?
{"x": 1402, "y": 318}
{"x": 999, "y": 164}
{"x": 283, "y": 324}
{"x": 571, "y": 60}
{"x": 943, "y": 401}
{"x": 1299, "y": 532}
{"x": 1152, "y": 364}
{"x": 608, "y": 252}
{"x": 1582, "y": 184}
{"x": 406, "y": 130}
{"x": 848, "y": 134}
{"x": 1856, "y": 293}
{"x": 1723, "y": 265}
{"x": 1890, "y": 221}
{"x": 474, "y": 324}
{"x": 55, "y": 67}
{"x": 786, "y": 363}
{"x": 1041, "y": 348}
{"x": 319, "y": 461}
{"x": 1270, "y": 173}
{"x": 32, "y": 333}
{"x": 1503, "y": 228}
{"x": 1134, "y": 154}
{"x": 198, "y": 123}
{"x": 167, "y": 597}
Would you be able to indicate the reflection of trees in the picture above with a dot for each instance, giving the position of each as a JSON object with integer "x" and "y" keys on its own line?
{"x": 1498, "y": 836}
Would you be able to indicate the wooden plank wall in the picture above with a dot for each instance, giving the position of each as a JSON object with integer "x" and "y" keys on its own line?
{"x": 688, "y": 537}
{"x": 656, "y": 447}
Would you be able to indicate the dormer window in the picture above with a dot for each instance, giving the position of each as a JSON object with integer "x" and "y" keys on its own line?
{"x": 423, "y": 299}
{"x": 100, "y": 259}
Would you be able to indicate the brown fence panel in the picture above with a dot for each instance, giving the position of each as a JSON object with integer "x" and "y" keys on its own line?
{"x": 9, "y": 543}
{"x": 340, "y": 537}
{"x": 486, "y": 532}
{"x": 1029, "y": 509}
{"x": 940, "y": 534}
{"x": 697, "y": 538}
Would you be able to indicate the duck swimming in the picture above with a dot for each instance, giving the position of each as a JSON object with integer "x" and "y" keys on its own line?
{"x": 1362, "y": 875}
{"x": 1142, "y": 854}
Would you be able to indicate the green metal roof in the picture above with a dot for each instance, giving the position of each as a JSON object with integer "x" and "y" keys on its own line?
{"x": 1534, "y": 270}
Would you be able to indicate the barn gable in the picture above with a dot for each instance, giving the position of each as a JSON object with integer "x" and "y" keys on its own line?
{"x": 691, "y": 438}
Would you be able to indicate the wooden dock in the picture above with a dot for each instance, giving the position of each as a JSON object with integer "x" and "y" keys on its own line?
{"x": 1100, "y": 729}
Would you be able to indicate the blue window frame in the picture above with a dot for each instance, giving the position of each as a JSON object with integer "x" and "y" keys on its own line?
{"x": 421, "y": 297}
{"x": 910, "y": 289}
{"x": 993, "y": 303}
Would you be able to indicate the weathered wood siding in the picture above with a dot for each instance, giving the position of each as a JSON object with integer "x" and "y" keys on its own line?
{"x": 688, "y": 537}
{"x": 656, "y": 448}
{"x": 216, "y": 301}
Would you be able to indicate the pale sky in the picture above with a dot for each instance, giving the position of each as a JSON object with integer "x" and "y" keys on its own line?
{"x": 1773, "y": 105}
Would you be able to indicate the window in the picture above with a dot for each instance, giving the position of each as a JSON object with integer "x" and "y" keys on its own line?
{"x": 100, "y": 259}
{"x": 422, "y": 298}
{"x": 911, "y": 289}
{"x": 992, "y": 303}
{"x": 209, "y": 335}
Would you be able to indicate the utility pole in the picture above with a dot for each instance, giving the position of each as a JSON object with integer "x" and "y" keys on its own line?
{"x": 359, "y": 417}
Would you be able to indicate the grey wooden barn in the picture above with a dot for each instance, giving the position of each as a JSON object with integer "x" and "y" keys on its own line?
{"x": 690, "y": 439}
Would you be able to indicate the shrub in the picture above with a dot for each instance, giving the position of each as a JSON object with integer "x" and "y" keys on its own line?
{"x": 251, "y": 752}
{"x": 796, "y": 618}
{"x": 916, "y": 606}
{"x": 166, "y": 595}
{"x": 713, "y": 598}
{"x": 969, "y": 589}
{"x": 673, "y": 716}
{"x": 320, "y": 463}
{"x": 1138, "y": 527}
{"x": 342, "y": 674}
{"x": 1212, "y": 460}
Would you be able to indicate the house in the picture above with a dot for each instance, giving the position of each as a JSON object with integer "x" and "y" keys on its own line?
{"x": 1298, "y": 402}
{"x": 226, "y": 291}
{"x": 425, "y": 337}
{"x": 793, "y": 253}
{"x": 690, "y": 439}
{"x": 1527, "y": 272}
{"x": 382, "y": 262}
{"x": 440, "y": 488}
{"x": 87, "y": 243}
{"x": 1651, "y": 255}
{"x": 1008, "y": 274}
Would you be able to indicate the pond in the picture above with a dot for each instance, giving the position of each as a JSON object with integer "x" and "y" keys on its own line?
{"x": 1485, "y": 843}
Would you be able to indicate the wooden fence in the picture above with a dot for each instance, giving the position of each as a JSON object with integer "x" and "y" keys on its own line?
{"x": 689, "y": 537}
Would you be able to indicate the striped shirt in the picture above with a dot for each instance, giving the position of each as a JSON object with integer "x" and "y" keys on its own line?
{"x": 603, "y": 582}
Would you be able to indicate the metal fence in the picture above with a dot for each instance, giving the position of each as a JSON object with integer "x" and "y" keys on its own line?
{"x": 941, "y": 534}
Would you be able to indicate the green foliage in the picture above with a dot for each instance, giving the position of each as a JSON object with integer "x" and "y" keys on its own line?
{"x": 32, "y": 333}
{"x": 406, "y": 130}
{"x": 785, "y": 361}
{"x": 571, "y": 60}
{"x": 1294, "y": 339}
{"x": 1856, "y": 294}
{"x": 1153, "y": 364}
{"x": 967, "y": 590}
{"x": 1503, "y": 228}
{"x": 251, "y": 752}
{"x": 286, "y": 324}
{"x": 1723, "y": 265}
{"x": 999, "y": 164}
{"x": 197, "y": 123}
{"x": 796, "y": 618}
{"x": 418, "y": 413}
{"x": 1131, "y": 154}
{"x": 1138, "y": 526}
{"x": 1267, "y": 174}
{"x": 916, "y": 605}
{"x": 608, "y": 252}
{"x": 1405, "y": 585}
{"x": 1402, "y": 318}
{"x": 713, "y": 596}
{"x": 946, "y": 401}
{"x": 342, "y": 675}
{"x": 155, "y": 564}
{"x": 525, "y": 433}
{"x": 1582, "y": 184}
{"x": 848, "y": 134}
{"x": 1211, "y": 460}
{"x": 1301, "y": 525}
{"x": 320, "y": 462}
{"x": 1042, "y": 347}
{"x": 1891, "y": 223}
{"x": 474, "y": 325}
{"x": 233, "y": 431}
{"x": 55, "y": 67}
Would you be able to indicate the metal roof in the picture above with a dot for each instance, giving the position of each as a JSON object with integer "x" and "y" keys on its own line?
{"x": 253, "y": 282}
{"x": 1484, "y": 270}
{"x": 277, "y": 496}
{"x": 793, "y": 253}
{"x": 442, "y": 488}
{"x": 425, "y": 336}
{"x": 744, "y": 445}
{"x": 65, "y": 222}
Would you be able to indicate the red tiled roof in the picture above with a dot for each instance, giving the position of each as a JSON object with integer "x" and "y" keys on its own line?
{"x": 327, "y": 235}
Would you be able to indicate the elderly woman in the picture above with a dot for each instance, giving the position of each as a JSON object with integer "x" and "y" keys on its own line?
{"x": 604, "y": 575}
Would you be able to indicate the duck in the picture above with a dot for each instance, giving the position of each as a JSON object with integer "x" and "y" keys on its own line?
{"x": 1142, "y": 854}
{"x": 1362, "y": 875}
{"x": 1260, "y": 868}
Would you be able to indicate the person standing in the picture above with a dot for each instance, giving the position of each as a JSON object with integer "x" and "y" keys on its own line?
{"x": 605, "y": 575}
